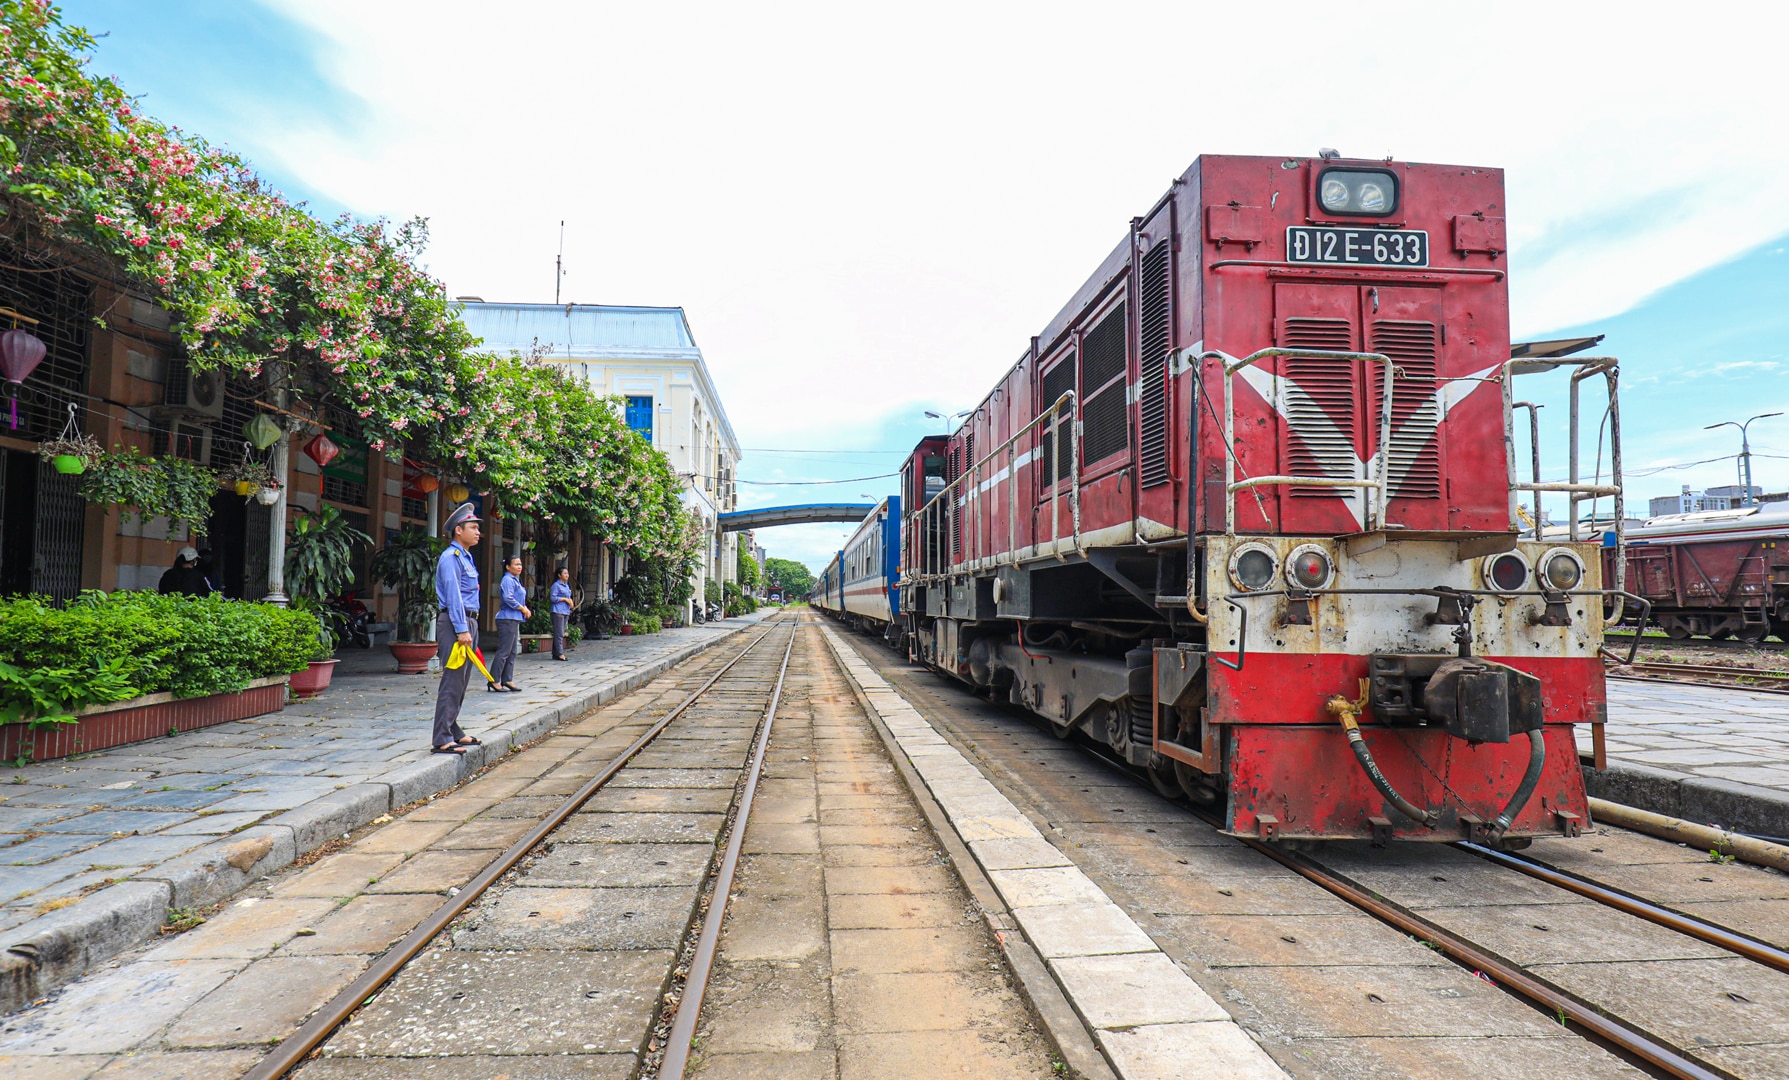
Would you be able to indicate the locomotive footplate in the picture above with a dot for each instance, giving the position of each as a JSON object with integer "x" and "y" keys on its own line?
{"x": 1476, "y": 700}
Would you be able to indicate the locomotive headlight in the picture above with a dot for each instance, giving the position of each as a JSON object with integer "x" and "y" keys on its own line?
{"x": 1506, "y": 573}
{"x": 1368, "y": 192}
{"x": 1252, "y": 568}
{"x": 1309, "y": 567}
{"x": 1560, "y": 570}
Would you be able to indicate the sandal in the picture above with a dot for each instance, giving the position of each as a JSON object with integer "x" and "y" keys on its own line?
{"x": 455, "y": 750}
{"x": 469, "y": 740}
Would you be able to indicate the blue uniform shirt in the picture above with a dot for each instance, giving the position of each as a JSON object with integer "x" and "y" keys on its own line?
{"x": 561, "y": 597}
{"x": 512, "y": 597}
{"x": 456, "y": 587}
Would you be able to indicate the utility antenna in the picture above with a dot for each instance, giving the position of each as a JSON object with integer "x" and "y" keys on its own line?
{"x": 559, "y": 263}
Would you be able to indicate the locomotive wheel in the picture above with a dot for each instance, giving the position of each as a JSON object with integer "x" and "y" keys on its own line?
{"x": 1197, "y": 786}
{"x": 1720, "y": 635}
{"x": 1118, "y": 730}
{"x": 1164, "y": 778}
{"x": 1676, "y": 631}
{"x": 1752, "y": 632}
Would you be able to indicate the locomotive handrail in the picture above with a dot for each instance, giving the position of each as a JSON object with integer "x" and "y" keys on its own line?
{"x": 1379, "y": 484}
{"x": 1360, "y": 270}
{"x": 944, "y": 504}
{"x": 1585, "y": 367}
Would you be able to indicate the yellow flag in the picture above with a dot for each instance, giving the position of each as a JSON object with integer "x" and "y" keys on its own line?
{"x": 462, "y": 653}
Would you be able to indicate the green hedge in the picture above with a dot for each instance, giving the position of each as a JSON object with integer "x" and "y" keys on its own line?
{"x": 144, "y": 643}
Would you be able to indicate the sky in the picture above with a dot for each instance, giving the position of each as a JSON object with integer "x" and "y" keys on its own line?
{"x": 867, "y": 210}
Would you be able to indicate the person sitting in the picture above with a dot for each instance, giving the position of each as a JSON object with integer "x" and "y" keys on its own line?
{"x": 185, "y": 577}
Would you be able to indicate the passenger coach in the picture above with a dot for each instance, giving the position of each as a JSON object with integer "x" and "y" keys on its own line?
{"x": 1246, "y": 511}
{"x": 861, "y": 586}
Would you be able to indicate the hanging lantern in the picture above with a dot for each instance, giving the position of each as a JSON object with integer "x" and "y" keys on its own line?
{"x": 428, "y": 483}
{"x": 268, "y": 495}
{"x": 458, "y": 493}
{"x": 263, "y": 431}
{"x": 20, "y": 353}
{"x": 322, "y": 449}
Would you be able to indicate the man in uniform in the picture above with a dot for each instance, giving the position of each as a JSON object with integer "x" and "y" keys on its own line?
{"x": 456, "y": 593}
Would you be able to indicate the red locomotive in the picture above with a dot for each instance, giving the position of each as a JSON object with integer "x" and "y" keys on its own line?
{"x": 1246, "y": 512}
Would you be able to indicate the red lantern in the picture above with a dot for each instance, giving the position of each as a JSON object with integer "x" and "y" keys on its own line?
{"x": 322, "y": 449}
{"x": 428, "y": 483}
{"x": 20, "y": 353}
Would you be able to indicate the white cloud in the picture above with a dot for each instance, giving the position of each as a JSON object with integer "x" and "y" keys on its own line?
{"x": 864, "y": 207}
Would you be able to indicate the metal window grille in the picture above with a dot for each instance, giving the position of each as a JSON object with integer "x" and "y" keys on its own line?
{"x": 1058, "y": 381}
{"x": 1155, "y": 340}
{"x": 1415, "y": 457}
{"x": 1104, "y": 412}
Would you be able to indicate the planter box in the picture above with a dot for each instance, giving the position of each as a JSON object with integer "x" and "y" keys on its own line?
{"x": 142, "y": 718}
{"x": 538, "y": 643}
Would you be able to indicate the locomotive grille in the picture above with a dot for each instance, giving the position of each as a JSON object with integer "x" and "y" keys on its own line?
{"x": 1155, "y": 338}
{"x": 1320, "y": 404}
{"x": 1058, "y": 380}
{"x": 1104, "y": 412}
{"x": 1415, "y": 458}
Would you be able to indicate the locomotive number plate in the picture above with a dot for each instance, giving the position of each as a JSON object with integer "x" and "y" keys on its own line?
{"x": 1356, "y": 247}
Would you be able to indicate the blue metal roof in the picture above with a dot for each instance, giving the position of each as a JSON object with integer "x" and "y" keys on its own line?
{"x": 804, "y": 514}
{"x": 583, "y": 331}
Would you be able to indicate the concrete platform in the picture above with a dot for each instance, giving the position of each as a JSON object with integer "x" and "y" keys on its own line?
{"x": 95, "y": 850}
{"x": 1711, "y": 755}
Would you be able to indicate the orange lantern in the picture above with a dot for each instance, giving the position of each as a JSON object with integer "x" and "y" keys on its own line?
{"x": 427, "y": 483}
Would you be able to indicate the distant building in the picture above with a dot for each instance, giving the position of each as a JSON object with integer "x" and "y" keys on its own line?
{"x": 1725, "y": 497}
{"x": 647, "y": 357}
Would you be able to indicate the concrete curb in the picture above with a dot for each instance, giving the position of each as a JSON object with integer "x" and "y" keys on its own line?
{"x": 52, "y": 950}
{"x": 1149, "y": 1018}
{"x": 1704, "y": 800}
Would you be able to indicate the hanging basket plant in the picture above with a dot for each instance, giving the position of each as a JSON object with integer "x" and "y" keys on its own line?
{"x": 70, "y": 451}
{"x": 70, "y": 454}
{"x": 246, "y": 477}
{"x": 148, "y": 487}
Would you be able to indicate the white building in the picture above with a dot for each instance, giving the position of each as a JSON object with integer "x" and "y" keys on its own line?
{"x": 647, "y": 357}
{"x": 1726, "y": 497}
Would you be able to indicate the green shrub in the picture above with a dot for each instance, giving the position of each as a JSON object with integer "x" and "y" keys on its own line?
{"x": 108, "y": 647}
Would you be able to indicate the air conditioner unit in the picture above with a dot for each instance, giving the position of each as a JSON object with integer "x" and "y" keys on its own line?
{"x": 197, "y": 394}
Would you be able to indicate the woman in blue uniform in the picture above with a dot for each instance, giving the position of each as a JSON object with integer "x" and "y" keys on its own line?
{"x": 512, "y": 608}
{"x": 560, "y": 595}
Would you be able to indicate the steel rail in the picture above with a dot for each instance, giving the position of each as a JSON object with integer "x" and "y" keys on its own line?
{"x": 1505, "y": 974}
{"x": 1714, "y": 934}
{"x": 695, "y": 985}
{"x": 292, "y": 1051}
{"x": 1629, "y": 1039}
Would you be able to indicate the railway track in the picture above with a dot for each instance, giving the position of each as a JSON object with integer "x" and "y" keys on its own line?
{"x": 1650, "y": 1017}
{"x": 1771, "y": 682}
{"x": 759, "y": 678}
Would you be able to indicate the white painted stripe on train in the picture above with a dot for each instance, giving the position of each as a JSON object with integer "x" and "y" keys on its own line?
{"x": 1151, "y": 1019}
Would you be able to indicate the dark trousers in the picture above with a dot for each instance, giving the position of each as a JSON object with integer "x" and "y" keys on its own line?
{"x": 559, "y": 621}
{"x": 453, "y": 686}
{"x": 503, "y": 665}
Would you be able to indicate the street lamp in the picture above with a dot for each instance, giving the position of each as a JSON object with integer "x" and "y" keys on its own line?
{"x": 948, "y": 416}
{"x": 1745, "y": 454}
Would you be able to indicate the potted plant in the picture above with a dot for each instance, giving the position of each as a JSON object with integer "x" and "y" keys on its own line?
{"x": 319, "y": 565}
{"x": 407, "y": 564}
{"x": 70, "y": 452}
{"x": 315, "y": 678}
{"x": 247, "y": 477}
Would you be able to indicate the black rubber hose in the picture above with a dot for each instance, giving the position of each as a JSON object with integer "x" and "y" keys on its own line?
{"x": 1537, "y": 759}
{"x": 1405, "y": 807}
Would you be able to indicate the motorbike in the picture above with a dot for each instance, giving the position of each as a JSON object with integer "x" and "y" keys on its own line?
{"x": 352, "y": 616}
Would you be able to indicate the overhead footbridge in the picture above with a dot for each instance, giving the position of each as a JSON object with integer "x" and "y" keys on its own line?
{"x": 805, "y": 514}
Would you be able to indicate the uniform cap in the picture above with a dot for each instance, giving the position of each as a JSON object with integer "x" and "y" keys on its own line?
{"x": 459, "y": 516}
